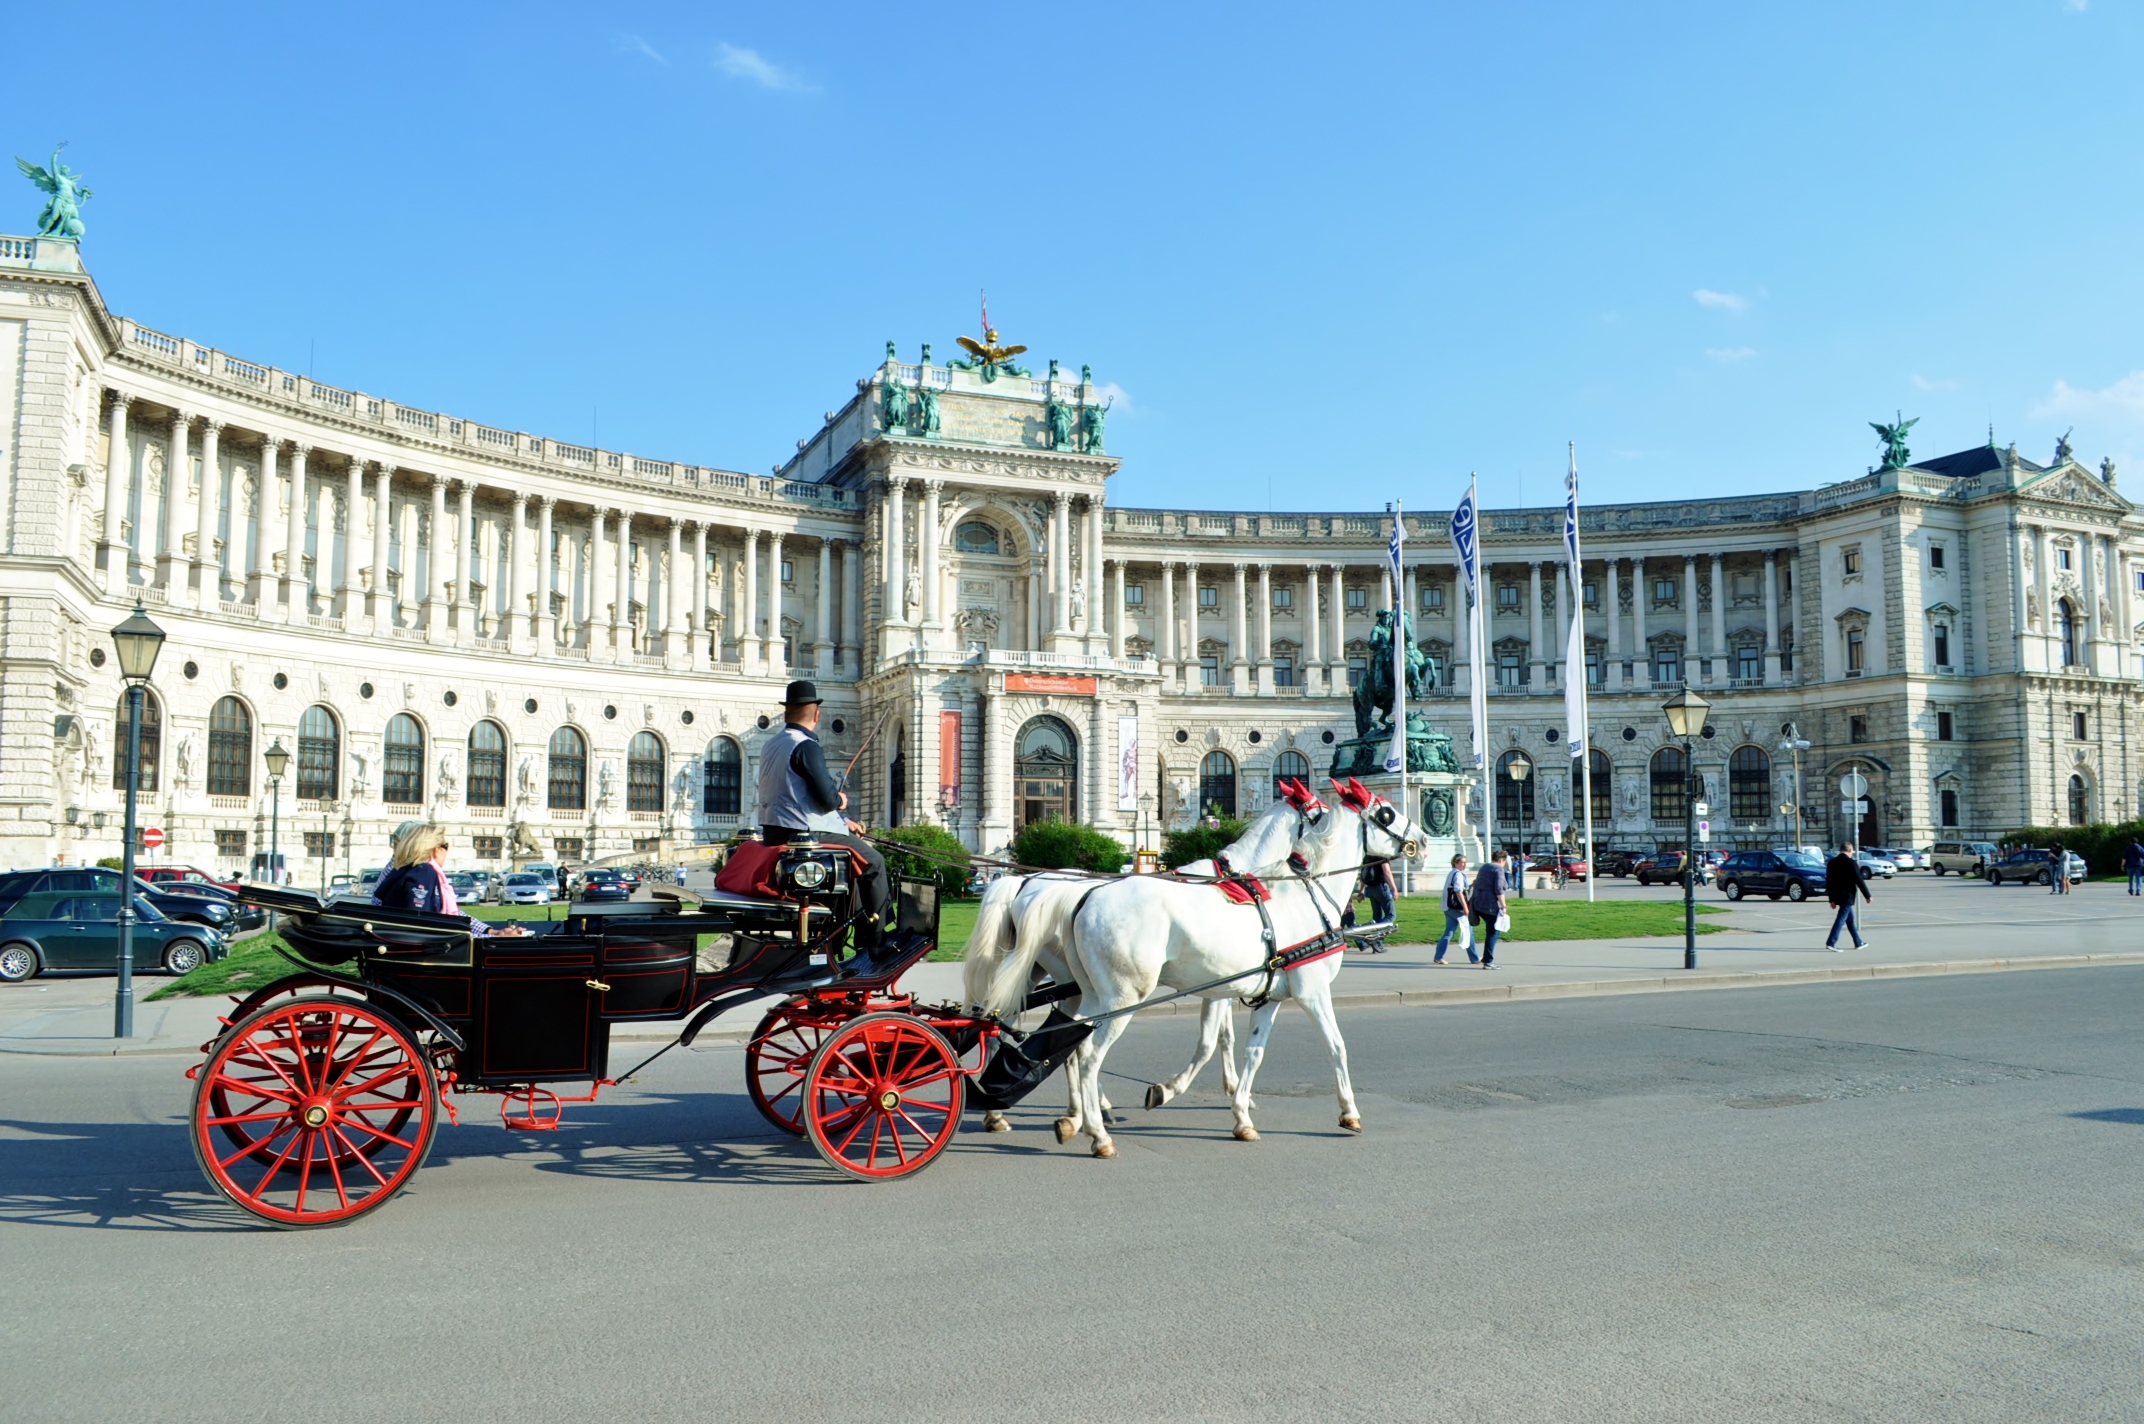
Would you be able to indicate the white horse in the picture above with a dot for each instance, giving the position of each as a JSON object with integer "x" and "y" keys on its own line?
{"x": 1132, "y": 938}
{"x": 1034, "y": 910}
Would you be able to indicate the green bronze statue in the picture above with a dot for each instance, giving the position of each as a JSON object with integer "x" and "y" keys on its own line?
{"x": 62, "y": 214}
{"x": 1058, "y": 416}
{"x": 1373, "y": 695}
{"x": 1090, "y": 427}
{"x": 1895, "y": 454}
{"x": 893, "y": 405}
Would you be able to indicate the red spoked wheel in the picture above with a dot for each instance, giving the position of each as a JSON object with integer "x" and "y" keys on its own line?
{"x": 882, "y": 1097}
{"x": 775, "y": 1062}
{"x": 232, "y": 1119}
{"x": 313, "y": 1111}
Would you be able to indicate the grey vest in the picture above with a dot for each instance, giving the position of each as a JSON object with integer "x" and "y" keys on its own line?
{"x": 782, "y": 799}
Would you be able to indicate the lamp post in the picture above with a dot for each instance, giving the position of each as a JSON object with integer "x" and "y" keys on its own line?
{"x": 138, "y": 641}
{"x": 278, "y": 761}
{"x": 1686, "y": 713}
{"x": 1519, "y": 769}
{"x": 1793, "y": 741}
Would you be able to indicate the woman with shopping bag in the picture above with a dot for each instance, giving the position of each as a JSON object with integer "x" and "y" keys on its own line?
{"x": 1455, "y": 913}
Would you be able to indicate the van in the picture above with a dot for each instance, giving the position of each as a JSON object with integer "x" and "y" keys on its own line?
{"x": 1961, "y": 857}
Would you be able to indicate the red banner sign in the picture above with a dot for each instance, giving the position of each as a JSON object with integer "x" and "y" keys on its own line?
{"x": 1051, "y": 682}
{"x": 949, "y": 759}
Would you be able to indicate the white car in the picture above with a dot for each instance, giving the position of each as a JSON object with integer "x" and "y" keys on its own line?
{"x": 1873, "y": 864}
{"x": 523, "y": 888}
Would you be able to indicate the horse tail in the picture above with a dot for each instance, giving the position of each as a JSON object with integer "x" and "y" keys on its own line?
{"x": 991, "y": 941}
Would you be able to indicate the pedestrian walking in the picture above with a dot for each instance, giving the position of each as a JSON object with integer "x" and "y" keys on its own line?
{"x": 2133, "y": 862}
{"x": 1492, "y": 910}
{"x": 1377, "y": 883}
{"x": 2058, "y": 870}
{"x": 1845, "y": 888}
{"x": 1455, "y": 913}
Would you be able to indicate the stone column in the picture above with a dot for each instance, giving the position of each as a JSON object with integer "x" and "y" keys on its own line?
{"x": 621, "y": 611}
{"x": 896, "y": 555}
{"x": 1641, "y": 652}
{"x": 1165, "y": 628}
{"x": 1192, "y": 676}
{"x": 1118, "y": 611}
{"x": 433, "y": 608}
{"x": 297, "y": 588}
{"x": 1060, "y": 564}
{"x": 464, "y": 542}
{"x": 704, "y": 651}
{"x": 1534, "y": 649}
{"x": 1336, "y": 655}
{"x": 208, "y": 568}
{"x": 113, "y": 555}
{"x": 1411, "y": 600}
{"x": 927, "y": 560}
{"x": 1101, "y": 781}
{"x": 377, "y": 606}
{"x": 824, "y": 653}
{"x": 852, "y": 608}
{"x": 1094, "y": 629}
{"x": 260, "y": 580}
{"x": 351, "y": 590}
{"x": 1689, "y": 620}
{"x": 178, "y": 469}
{"x": 546, "y": 579}
{"x": 1722, "y": 669}
{"x": 777, "y": 660}
{"x": 1313, "y": 670}
{"x": 676, "y": 641}
{"x": 2050, "y": 637}
{"x": 1771, "y": 616}
{"x": 1612, "y": 593}
{"x": 514, "y": 556}
{"x": 1238, "y": 636}
{"x": 1265, "y": 629}
{"x": 2088, "y": 585}
{"x": 749, "y": 646}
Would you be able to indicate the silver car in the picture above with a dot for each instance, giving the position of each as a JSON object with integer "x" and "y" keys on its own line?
{"x": 522, "y": 888}
{"x": 1874, "y": 863}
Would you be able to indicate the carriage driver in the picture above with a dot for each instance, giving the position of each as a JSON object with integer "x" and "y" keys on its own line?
{"x": 798, "y": 795}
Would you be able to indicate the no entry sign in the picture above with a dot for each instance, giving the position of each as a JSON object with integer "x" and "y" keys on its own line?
{"x": 151, "y": 837}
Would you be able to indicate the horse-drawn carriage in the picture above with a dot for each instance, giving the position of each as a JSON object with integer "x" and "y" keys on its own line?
{"x": 318, "y": 1101}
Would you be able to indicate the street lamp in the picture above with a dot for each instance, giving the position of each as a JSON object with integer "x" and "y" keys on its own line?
{"x": 1791, "y": 740}
{"x": 1519, "y": 769}
{"x": 137, "y": 641}
{"x": 1686, "y": 713}
{"x": 278, "y": 760}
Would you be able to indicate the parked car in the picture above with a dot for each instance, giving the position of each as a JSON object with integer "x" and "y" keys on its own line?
{"x": 1962, "y": 857}
{"x": 1874, "y": 866}
{"x": 630, "y": 877}
{"x": 525, "y": 887}
{"x": 604, "y": 885}
{"x": 487, "y": 884}
{"x": 1900, "y": 859}
{"x": 184, "y": 874}
{"x": 79, "y": 930}
{"x": 1665, "y": 868}
{"x": 542, "y": 870}
{"x": 465, "y": 887}
{"x": 2032, "y": 866}
{"x": 1772, "y": 873}
{"x": 210, "y": 908}
{"x": 1617, "y": 862}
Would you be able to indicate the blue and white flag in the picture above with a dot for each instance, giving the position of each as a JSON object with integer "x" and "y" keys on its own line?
{"x": 1466, "y": 526}
{"x": 1396, "y": 754}
{"x": 1574, "y": 652}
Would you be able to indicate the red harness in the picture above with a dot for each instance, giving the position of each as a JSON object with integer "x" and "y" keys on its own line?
{"x": 1243, "y": 889}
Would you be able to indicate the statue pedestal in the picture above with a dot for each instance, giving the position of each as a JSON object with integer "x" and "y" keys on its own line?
{"x": 1436, "y": 791}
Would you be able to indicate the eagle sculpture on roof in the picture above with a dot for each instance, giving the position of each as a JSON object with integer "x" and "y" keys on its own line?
{"x": 990, "y": 360}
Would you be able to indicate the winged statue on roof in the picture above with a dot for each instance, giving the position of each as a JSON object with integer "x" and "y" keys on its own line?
{"x": 987, "y": 358}
{"x": 62, "y": 213}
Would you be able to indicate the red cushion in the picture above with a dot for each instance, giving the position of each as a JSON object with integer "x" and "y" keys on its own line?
{"x": 750, "y": 870}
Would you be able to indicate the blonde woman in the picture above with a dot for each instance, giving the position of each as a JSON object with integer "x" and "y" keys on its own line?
{"x": 417, "y": 878}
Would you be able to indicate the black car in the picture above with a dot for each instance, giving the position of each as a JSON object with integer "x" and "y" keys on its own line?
{"x": 1617, "y": 862}
{"x": 1666, "y": 869}
{"x": 1794, "y": 874}
{"x": 244, "y": 916}
{"x": 604, "y": 885}
{"x": 212, "y": 911}
{"x": 79, "y": 930}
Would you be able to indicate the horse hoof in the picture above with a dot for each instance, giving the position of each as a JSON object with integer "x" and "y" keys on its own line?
{"x": 1352, "y": 1123}
{"x": 1105, "y": 1149}
{"x": 1065, "y": 1128}
{"x": 995, "y": 1122}
{"x": 1155, "y": 1097}
{"x": 1246, "y": 1133}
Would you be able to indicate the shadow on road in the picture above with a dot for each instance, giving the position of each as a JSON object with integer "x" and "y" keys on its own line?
{"x": 2134, "y": 1117}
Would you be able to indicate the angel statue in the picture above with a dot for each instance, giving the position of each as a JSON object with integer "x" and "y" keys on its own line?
{"x": 1895, "y": 454}
{"x": 62, "y": 215}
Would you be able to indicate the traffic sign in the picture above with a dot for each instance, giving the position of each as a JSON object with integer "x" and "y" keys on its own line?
{"x": 1854, "y": 808}
{"x": 1853, "y": 785}
{"x": 1555, "y": 830}
{"x": 1702, "y": 809}
{"x": 1704, "y": 830}
{"x": 151, "y": 837}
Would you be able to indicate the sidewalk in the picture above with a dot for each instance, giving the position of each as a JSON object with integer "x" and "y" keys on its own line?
{"x": 1918, "y": 925}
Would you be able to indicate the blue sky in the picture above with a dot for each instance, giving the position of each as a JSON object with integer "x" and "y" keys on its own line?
{"x": 1327, "y": 256}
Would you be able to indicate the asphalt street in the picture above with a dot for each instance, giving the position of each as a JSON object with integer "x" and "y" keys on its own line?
{"x": 1894, "y": 1200}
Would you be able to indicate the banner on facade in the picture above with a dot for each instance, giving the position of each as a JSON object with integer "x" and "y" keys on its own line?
{"x": 949, "y": 759}
{"x": 1127, "y": 763}
{"x": 1051, "y": 682}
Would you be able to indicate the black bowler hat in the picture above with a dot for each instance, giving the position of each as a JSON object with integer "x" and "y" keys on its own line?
{"x": 801, "y": 692}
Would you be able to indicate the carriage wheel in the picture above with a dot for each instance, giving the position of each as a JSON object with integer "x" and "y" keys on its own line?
{"x": 882, "y": 1097}
{"x": 322, "y": 1108}
{"x": 775, "y": 1062}
{"x": 233, "y": 1119}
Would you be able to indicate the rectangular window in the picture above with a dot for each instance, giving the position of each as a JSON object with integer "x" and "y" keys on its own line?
{"x": 1593, "y": 667}
{"x": 1357, "y": 599}
{"x": 487, "y": 847}
{"x": 1510, "y": 668}
{"x": 1935, "y": 556}
{"x": 789, "y": 571}
{"x": 1209, "y": 597}
{"x": 1433, "y": 598}
{"x": 1942, "y": 646}
{"x": 1749, "y": 662}
{"x": 1850, "y": 561}
{"x": 1786, "y": 652}
{"x": 1209, "y": 671}
{"x": 1667, "y": 665}
{"x": 1948, "y": 812}
{"x": 1356, "y": 667}
{"x": 568, "y": 847}
{"x": 230, "y": 842}
{"x": 1857, "y": 727}
{"x": 320, "y": 845}
{"x": 2062, "y": 558}
{"x": 1944, "y": 726}
{"x": 1284, "y": 598}
{"x": 1135, "y": 595}
{"x": 789, "y": 651}
{"x": 1591, "y": 593}
{"x": 1284, "y": 672}
{"x": 2080, "y": 729}
{"x": 2140, "y": 580}
{"x": 1856, "y": 652}
{"x": 1664, "y": 590}
{"x": 1507, "y": 596}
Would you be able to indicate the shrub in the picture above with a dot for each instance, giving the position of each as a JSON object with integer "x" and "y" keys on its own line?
{"x": 2101, "y": 845}
{"x": 111, "y": 862}
{"x": 1200, "y": 842}
{"x": 1068, "y": 845}
{"x": 948, "y": 858}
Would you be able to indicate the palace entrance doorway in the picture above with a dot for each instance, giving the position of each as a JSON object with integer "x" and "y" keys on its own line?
{"x": 1046, "y": 772}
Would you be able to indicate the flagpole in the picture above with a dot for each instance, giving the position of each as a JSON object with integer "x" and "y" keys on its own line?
{"x": 1399, "y": 673}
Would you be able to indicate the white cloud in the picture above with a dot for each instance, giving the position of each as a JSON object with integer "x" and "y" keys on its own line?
{"x": 2122, "y": 400}
{"x": 1922, "y": 383}
{"x": 634, "y": 44}
{"x": 750, "y": 66}
{"x": 1729, "y": 355}
{"x": 1721, "y": 301}
{"x": 1114, "y": 394}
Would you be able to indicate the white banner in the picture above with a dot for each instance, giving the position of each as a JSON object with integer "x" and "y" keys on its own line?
{"x": 1127, "y": 763}
{"x": 1396, "y": 754}
{"x": 1465, "y": 536}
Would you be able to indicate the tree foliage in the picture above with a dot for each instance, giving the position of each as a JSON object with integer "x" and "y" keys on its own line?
{"x": 1068, "y": 845}
{"x": 1200, "y": 842}
{"x": 943, "y": 859}
{"x": 2102, "y": 844}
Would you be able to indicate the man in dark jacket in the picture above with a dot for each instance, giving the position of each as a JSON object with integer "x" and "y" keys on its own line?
{"x": 1845, "y": 887}
{"x": 798, "y": 795}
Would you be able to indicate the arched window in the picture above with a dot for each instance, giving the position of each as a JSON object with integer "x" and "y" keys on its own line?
{"x": 975, "y": 537}
{"x": 2066, "y": 625}
{"x": 644, "y": 772}
{"x": 152, "y": 742}
{"x": 1600, "y": 773}
{"x": 2078, "y": 808}
{"x": 230, "y": 748}
{"x": 1671, "y": 784}
{"x": 402, "y": 765}
{"x": 1217, "y": 784}
{"x": 567, "y": 779}
{"x": 487, "y": 764}
{"x": 1515, "y": 799}
{"x": 722, "y": 779}
{"x": 1287, "y": 765}
{"x": 1046, "y": 767}
{"x": 319, "y": 755}
{"x": 1749, "y": 786}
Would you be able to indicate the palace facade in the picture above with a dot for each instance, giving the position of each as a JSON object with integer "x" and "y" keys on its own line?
{"x": 569, "y": 654}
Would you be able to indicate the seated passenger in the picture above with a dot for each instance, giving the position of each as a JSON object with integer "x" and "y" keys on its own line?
{"x": 417, "y": 880}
